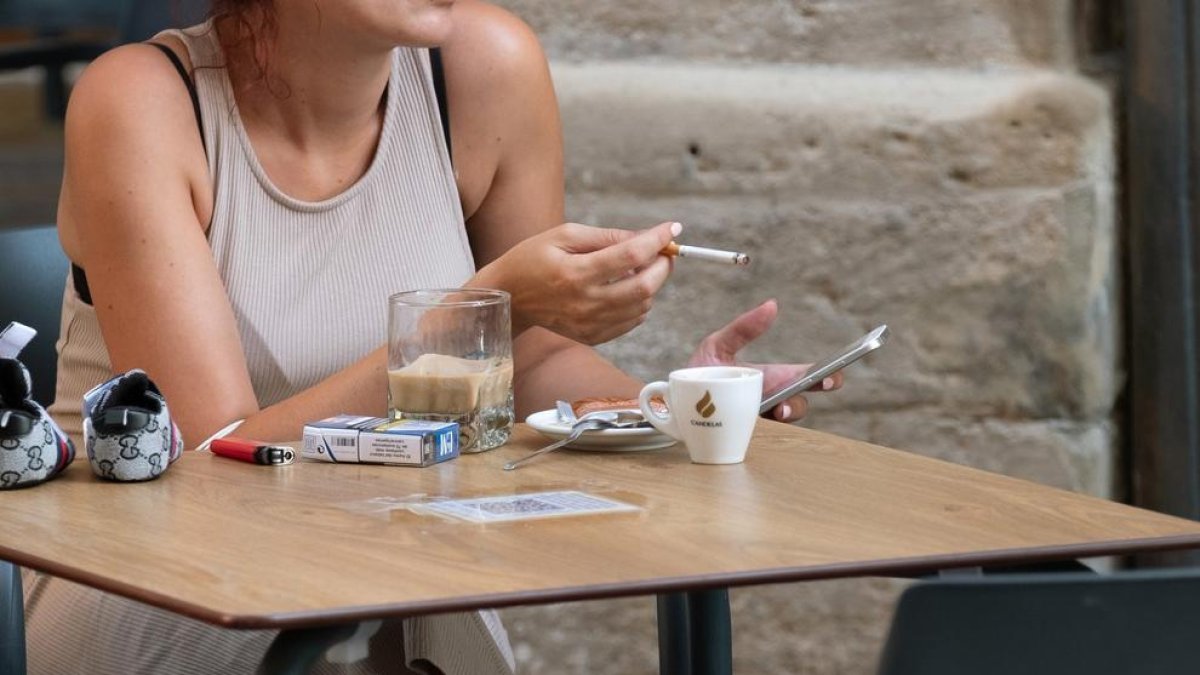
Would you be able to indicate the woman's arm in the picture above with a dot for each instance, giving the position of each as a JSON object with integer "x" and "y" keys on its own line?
{"x": 508, "y": 155}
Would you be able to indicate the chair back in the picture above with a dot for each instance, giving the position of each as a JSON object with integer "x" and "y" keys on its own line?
{"x": 33, "y": 273}
{"x": 1146, "y": 623}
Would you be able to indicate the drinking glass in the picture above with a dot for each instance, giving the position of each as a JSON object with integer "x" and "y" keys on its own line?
{"x": 450, "y": 359}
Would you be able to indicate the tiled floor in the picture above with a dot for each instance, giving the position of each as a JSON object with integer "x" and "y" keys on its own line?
{"x": 31, "y": 155}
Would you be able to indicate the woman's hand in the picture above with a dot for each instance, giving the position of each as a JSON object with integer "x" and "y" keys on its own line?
{"x": 589, "y": 284}
{"x": 721, "y": 348}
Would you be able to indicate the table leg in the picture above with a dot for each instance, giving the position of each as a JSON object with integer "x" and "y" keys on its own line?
{"x": 674, "y": 654}
{"x": 711, "y": 634}
{"x": 12, "y": 620}
{"x": 293, "y": 652}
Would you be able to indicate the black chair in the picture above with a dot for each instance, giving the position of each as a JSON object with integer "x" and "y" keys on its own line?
{"x": 33, "y": 272}
{"x": 1134, "y": 623}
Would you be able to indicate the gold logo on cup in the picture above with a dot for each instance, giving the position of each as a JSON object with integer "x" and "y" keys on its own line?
{"x": 705, "y": 406}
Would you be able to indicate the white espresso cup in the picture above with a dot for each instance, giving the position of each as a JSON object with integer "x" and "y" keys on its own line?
{"x": 712, "y": 409}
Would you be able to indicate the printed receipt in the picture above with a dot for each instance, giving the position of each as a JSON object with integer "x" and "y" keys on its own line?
{"x": 525, "y": 506}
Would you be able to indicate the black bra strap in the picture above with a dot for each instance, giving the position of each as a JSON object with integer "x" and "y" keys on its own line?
{"x": 78, "y": 276}
{"x": 439, "y": 90}
{"x": 81, "y": 285}
{"x": 191, "y": 87}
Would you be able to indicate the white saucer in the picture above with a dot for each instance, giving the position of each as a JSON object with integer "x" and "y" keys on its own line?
{"x": 601, "y": 440}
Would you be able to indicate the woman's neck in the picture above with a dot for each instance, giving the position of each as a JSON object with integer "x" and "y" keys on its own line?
{"x": 318, "y": 92}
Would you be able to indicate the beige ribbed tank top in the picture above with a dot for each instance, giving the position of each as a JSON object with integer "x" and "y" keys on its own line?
{"x": 308, "y": 281}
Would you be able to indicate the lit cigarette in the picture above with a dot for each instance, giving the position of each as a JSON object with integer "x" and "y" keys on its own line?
{"x": 711, "y": 254}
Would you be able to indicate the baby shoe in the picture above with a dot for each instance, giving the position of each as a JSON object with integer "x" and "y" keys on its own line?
{"x": 33, "y": 449}
{"x": 127, "y": 429}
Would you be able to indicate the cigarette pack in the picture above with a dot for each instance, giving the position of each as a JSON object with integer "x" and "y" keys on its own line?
{"x": 351, "y": 438}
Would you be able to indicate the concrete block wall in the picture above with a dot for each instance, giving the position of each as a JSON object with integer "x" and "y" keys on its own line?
{"x": 939, "y": 166}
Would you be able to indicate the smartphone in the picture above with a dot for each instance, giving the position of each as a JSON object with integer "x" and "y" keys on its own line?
{"x": 823, "y": 369}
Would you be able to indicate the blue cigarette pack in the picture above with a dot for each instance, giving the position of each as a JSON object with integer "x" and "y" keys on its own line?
{"x": 355, "y": 439}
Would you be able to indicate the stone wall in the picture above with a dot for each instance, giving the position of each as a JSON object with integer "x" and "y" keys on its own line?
{"x": 939, "y": 166}
{"x": 868, "y": 33}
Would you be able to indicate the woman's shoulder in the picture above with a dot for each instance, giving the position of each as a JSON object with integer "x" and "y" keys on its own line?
{"x": 131, "y": 90}
{"x": 136, "y": 72}
{"x": 492, "y": 45}
{"x": 129, "y": 124}
{"x": 501, "y": 99}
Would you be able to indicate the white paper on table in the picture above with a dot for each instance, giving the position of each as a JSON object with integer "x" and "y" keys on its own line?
{"x": 526, "y": 506}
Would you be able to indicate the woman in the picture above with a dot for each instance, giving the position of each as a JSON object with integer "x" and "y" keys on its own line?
{"x": 243, "y": 242}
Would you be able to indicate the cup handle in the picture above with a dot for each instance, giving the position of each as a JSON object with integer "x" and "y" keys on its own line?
{"x": 665, "y": 424}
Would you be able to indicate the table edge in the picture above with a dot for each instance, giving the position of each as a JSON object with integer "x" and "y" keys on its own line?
{"x": 894, "y": 567}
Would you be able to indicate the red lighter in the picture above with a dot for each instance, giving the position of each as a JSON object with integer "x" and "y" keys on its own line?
{"x": 254, "y": 452}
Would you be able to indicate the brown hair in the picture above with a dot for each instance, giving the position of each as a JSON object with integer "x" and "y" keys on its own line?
{"x": 247, "y": 27}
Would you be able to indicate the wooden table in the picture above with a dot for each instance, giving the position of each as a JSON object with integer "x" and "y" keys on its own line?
{"x": 240, "y": 545}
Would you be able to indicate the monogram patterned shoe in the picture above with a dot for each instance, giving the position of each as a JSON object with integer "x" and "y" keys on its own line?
{"x": 127, "y": 429}
{"x": 32, "y": 447}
